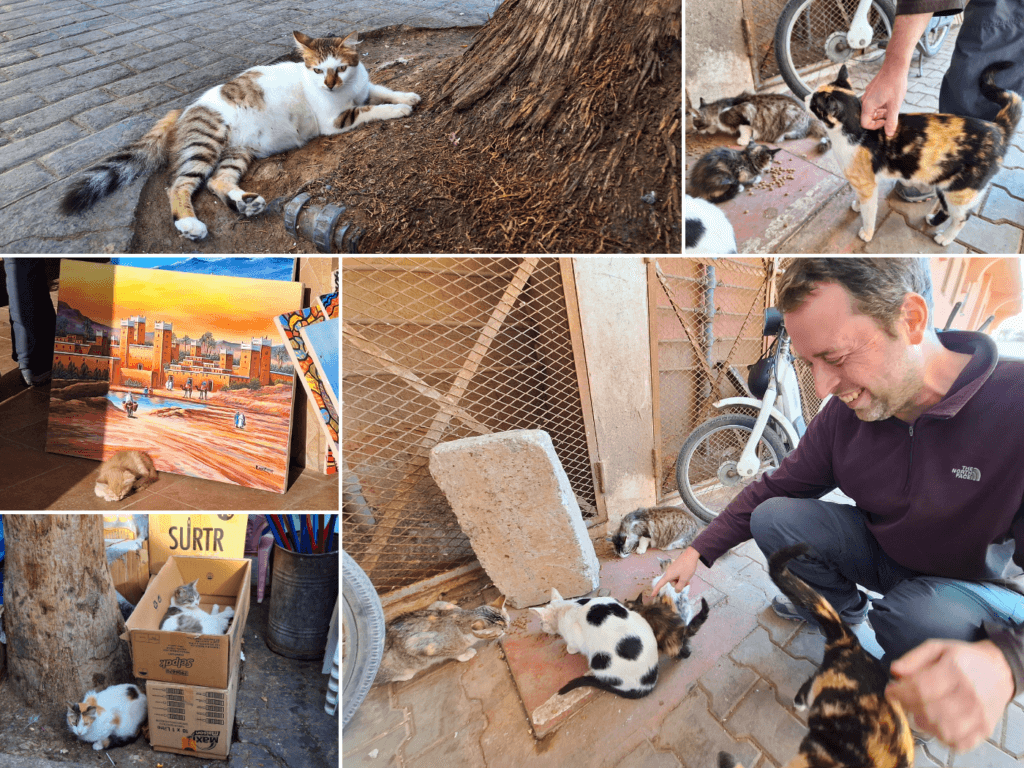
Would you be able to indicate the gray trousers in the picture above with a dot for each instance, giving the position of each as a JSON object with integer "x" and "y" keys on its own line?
{"x": 993, "y": 30}
{"x": 914, "y": 607}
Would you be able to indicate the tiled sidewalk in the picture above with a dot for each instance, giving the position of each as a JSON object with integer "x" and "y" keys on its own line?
{"x": 81, "y": 78}
{"x": 735, "y": 692}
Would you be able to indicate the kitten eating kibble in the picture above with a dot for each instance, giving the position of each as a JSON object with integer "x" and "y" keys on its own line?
{"x": 958, "y": 155}
{"x": 185, "y": 615}
{"x": 720, "y": 174}
{"x": 263, "y": 111}
{"x": 659, "y": 527}
{"x": 852, "y": 724}
{"x": 618, "y": 643}
{"x": 122, "y": 472}
{"x": 768, "y": 117}
{"x": 110, "y": 718}
{"x": 420, "y": 639}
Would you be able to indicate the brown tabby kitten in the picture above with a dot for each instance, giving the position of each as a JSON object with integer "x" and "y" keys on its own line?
{"x": 768, "y": 117}
{"x": 720, "y": 174}
{"x": 659, "y": 527}
{"x": 419, "y": 639}
{"x": 959, "y": 155}
{"x": 671, "y": 617}
{"x": 852, "y": 724}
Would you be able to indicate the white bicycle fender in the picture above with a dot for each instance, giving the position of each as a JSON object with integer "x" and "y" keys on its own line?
{"x": 750, "y": 402}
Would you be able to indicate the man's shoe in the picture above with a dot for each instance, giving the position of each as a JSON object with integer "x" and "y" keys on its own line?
{"x": 786, "y": 610}
{"x": 36, "y": 380}
{"x": 911, "y": 194}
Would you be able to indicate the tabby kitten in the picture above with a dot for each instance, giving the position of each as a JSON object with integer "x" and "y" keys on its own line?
{"x": 122, "y": 472}
{"x": 769, "y": 117}
{"x": 417, "y": 640}
{"x": 671, "y": 617}
{"x": 959, "y": 155}
{"x": 707, "y": 228}
{"x": 852, "y": 724}
{"x": 660, "y": 527}
{"x": 720, "y": 174}
{"x": 263, "y": 111}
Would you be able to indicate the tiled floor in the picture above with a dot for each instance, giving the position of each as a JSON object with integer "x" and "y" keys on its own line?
{"x": 31, "y": 479}
{"x": 803, "y": 204}
{"x": 735, "y": 692}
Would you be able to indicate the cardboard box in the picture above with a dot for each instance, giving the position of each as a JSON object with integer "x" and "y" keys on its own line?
{"x": 191, "y": 719}
{"x": 195, "y": 536}
{"x": 181, "y": 657}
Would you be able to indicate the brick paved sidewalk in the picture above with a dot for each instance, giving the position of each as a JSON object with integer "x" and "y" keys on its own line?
{"x": 80, "y": 78}
{"x": 470, "y": 714}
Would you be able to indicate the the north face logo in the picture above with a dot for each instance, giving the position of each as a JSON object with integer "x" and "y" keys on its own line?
{"x": 968, "y": 473}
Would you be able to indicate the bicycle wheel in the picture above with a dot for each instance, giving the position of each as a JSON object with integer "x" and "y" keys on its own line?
{"x": 362, "y": 636}
{"x": 706, "y": 467}
{"x": 933, "y": 37}
{"x": 811, "y": 46}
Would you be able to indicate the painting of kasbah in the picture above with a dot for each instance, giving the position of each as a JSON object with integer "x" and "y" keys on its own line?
{"x": 181, "y": 366}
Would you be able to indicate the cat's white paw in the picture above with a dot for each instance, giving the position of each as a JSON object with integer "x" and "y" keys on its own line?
{"x": 743, "y": 141}
{"x": 866, "y": 234}
{"x": 641, "y": 547}
{"x": 192, "y": 228}
{"x": 97, "y": 745}
{"x": 467, "y": 655}
{"x": 855, "y": 205}
{"x": 407, "y": 97}
{"x": 757, "y": 179}
{"x": 247, "y": 203}
{"x": 943, "y": 238}
{"x": 391, "y": 111}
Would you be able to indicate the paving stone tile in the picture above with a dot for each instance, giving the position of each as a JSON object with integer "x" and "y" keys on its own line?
{"x": 68, "y": 56}
{"x": 37, "y": 82}
{"x": 785, "y": 672}
{"x": 381, "y": 753}
{"x": 646, "y": 756}
{"x": 373, "y": 719}
{"x": 985, "y": 756}
{"x": 761, "y": 718}
{"x": 991, "y": 238}
{"x": 1014, "y": 158}
{"x": 18, "y": 152}
{"x": 896, "y": 236}
{"x": 54, "y": 114}
{"x": 781, "y": 630}
{"x": 808, "y": 644}
{"x": 20, "y": 181}
{"x": 64, "y": 43}
{"x": 19, "y": 105}
{"x": 923, "y": 760}
{"x": 1013, "y": 735}
{"x": 157, "y": 98}
{"x": 696, "y": 737}
{"x": 69, "y": 86}
{"x": 936, "y": 750}
{"x": 1002, "y": 207}
{"x": 433, "y": 722}
{"x": 726, "y": 683}
{"x": 73, "y": 157}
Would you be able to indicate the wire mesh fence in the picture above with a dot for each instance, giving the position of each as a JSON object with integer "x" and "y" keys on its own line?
{"x": 437, "y": 349}
{"x": 759, "y": 22}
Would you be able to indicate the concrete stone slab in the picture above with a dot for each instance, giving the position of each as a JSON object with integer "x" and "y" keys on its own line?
{"x": 514, "y": 502}
{"x": 986, "y": 237}
{"x": 896, "y": 236}
{"x": 1001, "y": 207}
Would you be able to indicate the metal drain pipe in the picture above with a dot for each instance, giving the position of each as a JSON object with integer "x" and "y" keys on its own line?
{"x": 319, "y": 223}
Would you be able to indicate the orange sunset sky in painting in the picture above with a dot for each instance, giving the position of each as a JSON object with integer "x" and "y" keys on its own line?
{"x": 233, "y": 309}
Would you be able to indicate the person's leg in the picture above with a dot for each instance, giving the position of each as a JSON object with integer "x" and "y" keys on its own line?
{"x": 993, "y": 30}
{"x": 844, "y": 554}
{"x": 32, "y": 317}
{"x": 929, "y": 607}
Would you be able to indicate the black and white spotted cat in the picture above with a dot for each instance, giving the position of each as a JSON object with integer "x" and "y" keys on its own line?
{"x": 707, "y": 228}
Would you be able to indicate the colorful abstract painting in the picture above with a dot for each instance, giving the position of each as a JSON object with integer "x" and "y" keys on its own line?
{"x": 182, "y": 366}
{"x": 258, "y": 267}
{"x": 288, "y": 325}
{"x": 323, "y": 342}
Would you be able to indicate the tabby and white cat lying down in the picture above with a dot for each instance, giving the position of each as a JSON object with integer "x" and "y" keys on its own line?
{"x": 263, "y": 111}
{"x": 185, "y": 615}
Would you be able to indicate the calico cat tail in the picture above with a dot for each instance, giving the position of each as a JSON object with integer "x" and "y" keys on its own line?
{"x": 121, "y": 168}
{"x": 1010, "y": 101}
{"x": 802, "y": 595}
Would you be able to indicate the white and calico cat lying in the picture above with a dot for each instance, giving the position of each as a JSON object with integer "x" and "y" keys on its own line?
{"x": 122, "y": 472}
{"x": 619, "y": 644}
{"x": 185, "y": 615}
{"x": 110, "y": 718}
{"x": 263, "y": 111}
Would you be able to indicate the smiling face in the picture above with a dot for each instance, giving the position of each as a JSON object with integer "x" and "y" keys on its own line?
{"x": 852, "y": 357}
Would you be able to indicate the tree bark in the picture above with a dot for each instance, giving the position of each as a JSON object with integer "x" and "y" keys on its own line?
{"x": 61, "y": 614}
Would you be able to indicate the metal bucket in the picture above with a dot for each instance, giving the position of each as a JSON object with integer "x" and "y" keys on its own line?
{"x": 303, "y": 591}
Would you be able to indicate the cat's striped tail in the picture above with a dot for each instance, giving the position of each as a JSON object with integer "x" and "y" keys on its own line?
{"x": 1010, "y": 101}
{"x": 121, "y": 168}
{"x": 797, "y": 590}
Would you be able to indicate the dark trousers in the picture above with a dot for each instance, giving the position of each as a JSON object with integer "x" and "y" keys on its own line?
{"x": 914, "y": 607}
{"x": 993, "y": 30}
{"x": 32, "y": 317}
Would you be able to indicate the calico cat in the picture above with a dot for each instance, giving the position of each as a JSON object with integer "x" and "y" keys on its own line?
{"x": 263, "y": 111}
{"x": 122, "y": 472}
{"x": 707, "y": 228}
{"x": 110, "y": 718}
{"x": 959, "y": 155}
{"x": 659, "y": 527}
{"x": 671, "y": 617}
{"x": 619, "y": 645}
{"x": 769, "y": 117}
{"x": 852, "y": 724}
{"x": 720, "y": 174}
{"x": 185, "y": 615}
{"x": 419, "y": 639}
